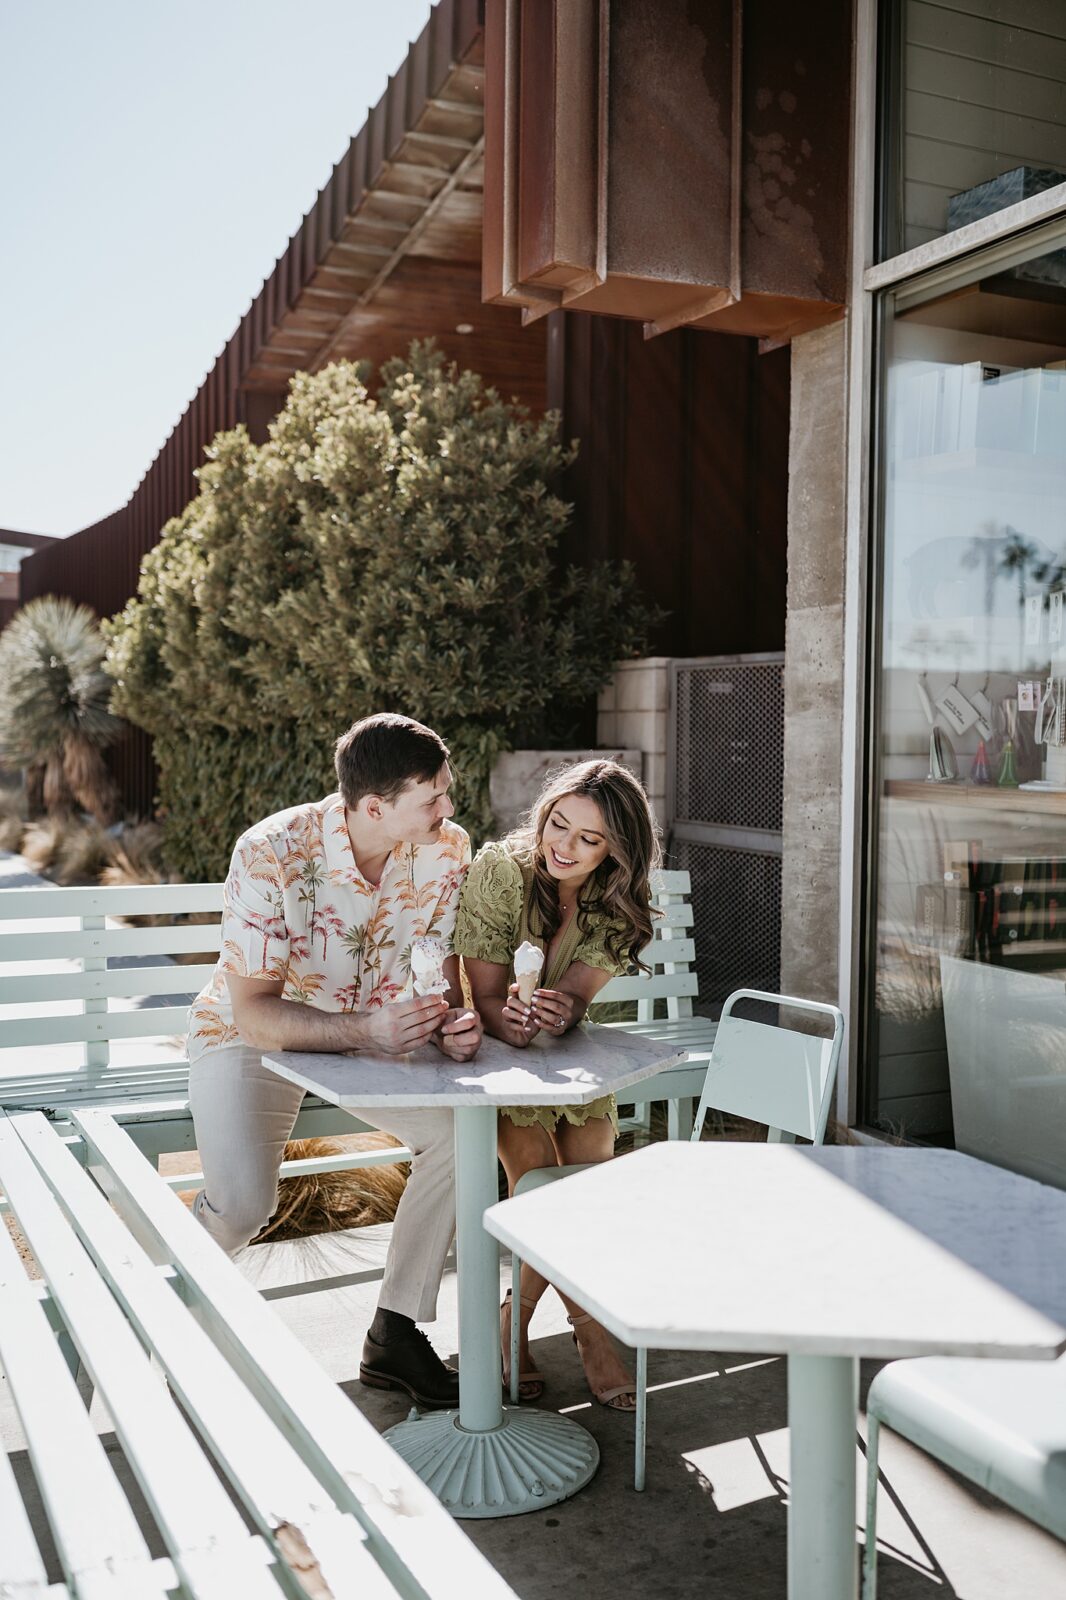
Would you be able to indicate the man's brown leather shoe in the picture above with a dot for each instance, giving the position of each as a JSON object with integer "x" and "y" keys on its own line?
{"x": 409, "y": 1362}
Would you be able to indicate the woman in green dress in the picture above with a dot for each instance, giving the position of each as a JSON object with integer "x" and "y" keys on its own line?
{"x": 575, "y": 882}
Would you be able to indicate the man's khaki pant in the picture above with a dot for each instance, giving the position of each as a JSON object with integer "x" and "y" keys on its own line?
{"x": 244, "y": 1115}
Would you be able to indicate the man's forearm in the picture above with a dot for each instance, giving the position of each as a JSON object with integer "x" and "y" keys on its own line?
{"x": 273, "y": 1023}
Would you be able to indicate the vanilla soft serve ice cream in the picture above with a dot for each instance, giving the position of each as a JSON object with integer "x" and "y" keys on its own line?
{"x": 427, "y": 966}
{"x": 528, "y": 961}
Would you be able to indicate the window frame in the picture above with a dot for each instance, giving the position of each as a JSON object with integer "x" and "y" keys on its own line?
{"x": 963, "y": 255}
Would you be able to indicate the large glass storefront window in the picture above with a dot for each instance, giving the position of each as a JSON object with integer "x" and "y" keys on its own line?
{"x": 967, "y": 1001}
{"x": 976, "y": 111}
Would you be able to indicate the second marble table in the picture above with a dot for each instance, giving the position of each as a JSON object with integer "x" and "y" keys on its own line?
{"x": 487, "y": 1460}
{"x": 826, "y": 1254}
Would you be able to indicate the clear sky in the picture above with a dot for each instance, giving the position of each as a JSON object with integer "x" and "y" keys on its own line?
{"x": 155, "y": 157}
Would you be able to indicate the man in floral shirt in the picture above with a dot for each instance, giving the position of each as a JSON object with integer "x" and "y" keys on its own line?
{"x": 321, "y": 905}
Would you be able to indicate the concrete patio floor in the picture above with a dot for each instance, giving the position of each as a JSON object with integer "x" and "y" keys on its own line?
{"x": 713, "y": 1518}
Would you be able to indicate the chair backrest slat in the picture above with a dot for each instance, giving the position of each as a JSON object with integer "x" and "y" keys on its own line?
{"x": 163, "y": 899}
{"x": 671, "y": 882}
{"x": 150, "y": 1023}
{"x": 657, "y": 987}
{"x": 96, "y": 943}
{"x": 117, "y": 983}
{"x": 671, "y": 955}
{"x": 677, "y": 915}
{"x": 669, "y": 952}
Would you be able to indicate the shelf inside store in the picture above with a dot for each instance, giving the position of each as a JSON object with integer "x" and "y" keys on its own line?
{"x": 950, "y": 468}
{"x": 998, "y": 952}
{"x": 1007, "y": 306}
{"x": 987, "y": 796}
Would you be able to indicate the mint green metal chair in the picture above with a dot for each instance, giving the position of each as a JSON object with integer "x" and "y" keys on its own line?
{"x": 1002, "y": 1424}
{"x": 762, "y": 1072}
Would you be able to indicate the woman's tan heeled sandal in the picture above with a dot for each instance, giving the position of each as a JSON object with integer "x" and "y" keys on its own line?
{"x": 530, "y": 1384}
{"x": 606, "y": 1397}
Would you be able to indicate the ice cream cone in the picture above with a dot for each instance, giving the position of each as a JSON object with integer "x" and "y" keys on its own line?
{"x": 528, "y": 963}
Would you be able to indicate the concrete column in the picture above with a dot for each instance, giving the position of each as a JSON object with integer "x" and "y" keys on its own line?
{"x": 814, "y": 654}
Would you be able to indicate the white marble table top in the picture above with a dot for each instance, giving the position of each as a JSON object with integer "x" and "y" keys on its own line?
{"x": 817, "y": 1251}
{"x": 588, "y": 1062}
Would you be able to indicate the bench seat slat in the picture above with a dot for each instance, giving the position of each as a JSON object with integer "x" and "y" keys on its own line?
{"x": 116, "y": 983}
{"x": 693, "y": 1033}
{"x": 116, "y": 1079}
{"x": 670, "y": 1028}
{"x": 23, "y": 1571}
{"x": 408, "y": 1526}
{"x": 95, "y": 944}
{"x": 90, "y": 1518}
{"x": 150, "y": 1022}
{"x": 674, "y": 1083}
{"x": 190, "y": 1506}
{"x": 269, "y": 1475}
{"x": 149, "y": 899}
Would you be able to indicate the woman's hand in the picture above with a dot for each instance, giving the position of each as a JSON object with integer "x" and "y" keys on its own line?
{"x": 555, "y": 1010}
{"x": 518, "y": 1022}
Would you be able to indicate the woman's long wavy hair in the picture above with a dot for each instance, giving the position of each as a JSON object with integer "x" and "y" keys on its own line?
{"x": 621, "y": 885}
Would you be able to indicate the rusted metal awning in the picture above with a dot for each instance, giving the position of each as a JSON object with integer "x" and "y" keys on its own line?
{"x": 391, "y": 249}
{"x": 681, "y": 162}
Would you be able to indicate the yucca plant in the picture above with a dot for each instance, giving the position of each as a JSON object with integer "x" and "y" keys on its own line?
{"x": 54, "y": 694}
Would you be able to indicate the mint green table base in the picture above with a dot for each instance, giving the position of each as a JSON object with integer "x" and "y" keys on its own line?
{"x": 823, "y": 1402}
{"x": 484, "y": 1460}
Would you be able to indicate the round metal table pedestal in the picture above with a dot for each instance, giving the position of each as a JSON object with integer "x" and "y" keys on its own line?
{"x": 532, "y": 1460}
{"x": 484, "y": 1460}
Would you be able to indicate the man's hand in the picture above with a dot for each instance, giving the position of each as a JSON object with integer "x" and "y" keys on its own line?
{"x": 401, "y": 1026}
{"x": 554, "y": 1010}
{"x": 459, "y": 1035}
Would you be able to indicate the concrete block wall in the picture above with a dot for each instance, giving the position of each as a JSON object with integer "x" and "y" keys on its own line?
{"x": 633, "y": 713}
{"x": 518, "y": 777}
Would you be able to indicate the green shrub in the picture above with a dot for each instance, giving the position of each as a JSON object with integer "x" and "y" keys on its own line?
{"x": 395, "y": 553}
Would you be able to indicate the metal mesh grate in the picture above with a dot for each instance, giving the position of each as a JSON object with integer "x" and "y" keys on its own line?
{"x": 729, "y": 739}
{"x": 736, "y": 902}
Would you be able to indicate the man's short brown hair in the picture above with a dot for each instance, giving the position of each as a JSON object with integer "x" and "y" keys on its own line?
{"x": 382, "y": 754}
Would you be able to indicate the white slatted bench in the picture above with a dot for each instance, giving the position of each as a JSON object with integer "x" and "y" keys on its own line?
{"x": 93, "y": 1029}
{"x": 263, "y": 1481}
{"x": 97, "y": 1028}
{"x": 665, "y": 1009}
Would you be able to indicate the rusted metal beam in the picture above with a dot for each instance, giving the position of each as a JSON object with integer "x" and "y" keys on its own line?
{"x": 634, "y": 169}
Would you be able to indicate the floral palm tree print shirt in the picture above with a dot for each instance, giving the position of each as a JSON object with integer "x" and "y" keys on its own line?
{"x": 297, "y": 908}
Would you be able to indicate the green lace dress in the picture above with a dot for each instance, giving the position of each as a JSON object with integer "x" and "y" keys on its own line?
{"x": 494, "y": 919}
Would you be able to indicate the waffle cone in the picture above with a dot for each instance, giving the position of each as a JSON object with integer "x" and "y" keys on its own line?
{"x": 526, "y": 985}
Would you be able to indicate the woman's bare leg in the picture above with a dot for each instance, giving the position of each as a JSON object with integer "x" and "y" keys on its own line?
{"x": 604, "y": 1369}
{"x": 521, "y": 1150}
